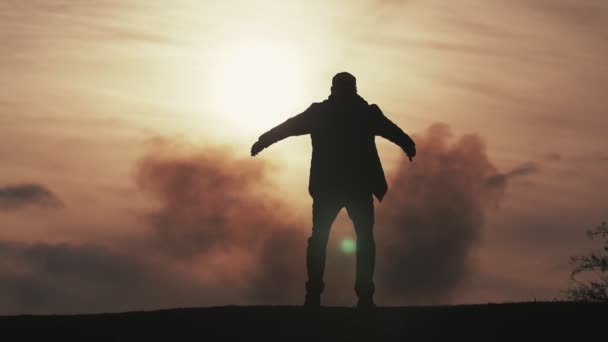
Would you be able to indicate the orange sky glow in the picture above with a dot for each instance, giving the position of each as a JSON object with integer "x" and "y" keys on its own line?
{"x": 100, "y": 100}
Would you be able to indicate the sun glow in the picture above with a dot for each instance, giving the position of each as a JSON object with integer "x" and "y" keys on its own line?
{"x": 258, "y": 85}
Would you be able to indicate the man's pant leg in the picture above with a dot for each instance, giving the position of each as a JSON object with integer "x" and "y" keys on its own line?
{"x": 325, "y": 208}
{"x": 360, "y": 209}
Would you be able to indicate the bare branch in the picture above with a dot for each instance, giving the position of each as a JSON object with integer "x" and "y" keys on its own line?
{"x": 594, "y": 262}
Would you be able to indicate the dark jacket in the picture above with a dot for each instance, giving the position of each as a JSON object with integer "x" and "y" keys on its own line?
{"x": 344, "y": 155}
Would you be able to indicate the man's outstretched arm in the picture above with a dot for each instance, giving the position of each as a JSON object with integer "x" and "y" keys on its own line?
{"x": 297, "y": 125}
{"x": 390, "y": 131}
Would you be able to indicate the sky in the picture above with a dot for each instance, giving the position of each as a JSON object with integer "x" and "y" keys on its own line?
{"x": 125, "y": 128}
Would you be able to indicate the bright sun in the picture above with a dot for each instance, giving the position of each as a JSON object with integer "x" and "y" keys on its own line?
{"x": 258, "y": 85}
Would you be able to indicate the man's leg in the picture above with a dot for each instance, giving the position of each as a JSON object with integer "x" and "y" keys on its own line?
{"x": 360, "y": 209}
{"x": 324, "y": 212}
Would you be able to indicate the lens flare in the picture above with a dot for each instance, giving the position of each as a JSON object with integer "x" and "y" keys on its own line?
{"x": 348, "y": 245}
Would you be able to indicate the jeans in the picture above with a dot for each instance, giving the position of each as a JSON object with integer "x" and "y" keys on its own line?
{"x": 325, "y": 208}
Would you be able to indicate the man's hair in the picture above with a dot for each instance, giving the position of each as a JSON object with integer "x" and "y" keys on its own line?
{"x": 344, "y": 82}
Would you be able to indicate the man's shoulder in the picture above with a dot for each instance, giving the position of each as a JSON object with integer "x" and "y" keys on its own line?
{"x": 317, "y": 107}
{"x": 375, "y": 110}
{"x": 326, "y": 105}
{"x": 374, "y": 107}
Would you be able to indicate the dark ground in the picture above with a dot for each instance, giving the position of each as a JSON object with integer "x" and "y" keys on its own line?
{"x": 519, "y": 321}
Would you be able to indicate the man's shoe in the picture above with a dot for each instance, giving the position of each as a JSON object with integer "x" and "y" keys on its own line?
{"x": 366, "y": 304}
{"x": 312, "y": 301}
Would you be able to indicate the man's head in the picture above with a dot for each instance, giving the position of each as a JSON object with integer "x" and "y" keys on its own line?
{"x": 343, "y": 83}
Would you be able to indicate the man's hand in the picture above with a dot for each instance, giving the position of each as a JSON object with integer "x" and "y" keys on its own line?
{"x": 411, "y": 151}
{"x": 256, "y": 148}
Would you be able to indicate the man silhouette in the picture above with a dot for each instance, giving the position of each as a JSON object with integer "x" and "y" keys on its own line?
{"x": 346, "y": 172}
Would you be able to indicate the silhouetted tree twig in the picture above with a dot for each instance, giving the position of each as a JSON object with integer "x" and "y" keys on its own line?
{"x": 595, "y": 263}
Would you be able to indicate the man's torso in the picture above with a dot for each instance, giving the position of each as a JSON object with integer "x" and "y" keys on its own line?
{"x": 345, "y": 158}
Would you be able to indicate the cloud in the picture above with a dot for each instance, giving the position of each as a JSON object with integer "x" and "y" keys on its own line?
{"x": 524, "y": 169}
{"x": 214, "y": 206}
{"x": 211, "y": 203}
{"x": 66, "y": 278}
{"x": 219, "y": 234}
{"x": 500, "y": 179}
{"x": 553, "y": 157}
{"x": 434, "y": 216}
{"x": 22, "y": 195}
